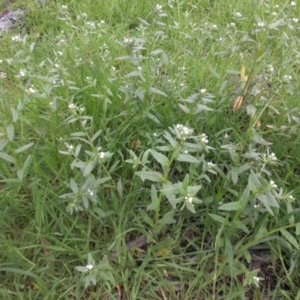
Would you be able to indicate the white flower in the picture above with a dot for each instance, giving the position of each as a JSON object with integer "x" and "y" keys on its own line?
{"x": 295, "y": 20}
{"x": 72, "y": 106}
{"x": 101, "y": 154}
{"x": 202, "y": 91}
{"x": 189, "y": 199}
{"x": 238, "y": 14}
{"x": 184, "y": 130}
{"x": 16, "y": 38}
{"x": 293, "y": 3}
{"x": 90, "y": 192}
{"x": 22, "y": 73}
{"x": 210, "y": 164}
{"x": 260, "y": 24}
{"x": 204, "y": 138}
{"x": 31, "y": 90}
{"x": 287, "y": 77}
{"x": 70, "y": 148}
{"x": 256, "y": 278}
{"x": 273, "y": 184}
{"x": 89, "y": 267}
{"x": 272, "y": 156}
{"x": 158, "y": 7}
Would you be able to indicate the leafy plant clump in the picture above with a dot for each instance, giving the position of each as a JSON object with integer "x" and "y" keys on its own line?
{"x": 150, "y": 151}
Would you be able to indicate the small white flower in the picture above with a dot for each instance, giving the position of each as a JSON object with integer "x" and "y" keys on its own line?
{"x": 202, "y": 91}
{"x": 274, "y": 13}
{"x": 210, "y": 164}
{"x": 272, "y": 156}
{"x": 89, "y": 267}
{"x": 101, "y": 154}
{"x": 22, "y": 73}
{"x": 9, "y": 60}
{"x": 90, "y": 192}
{"x": 273, "y": 184}
{"x": 189, "y": 199}
{"x": 31, "y": 90}
{"x": 70, "y": 148}
{"x": 293, "y": 3}
{"x": 238, "y": 14}
{"x": 3, "y": 75}
{"x": 260, "y": 24}
{"x": 184, "y": 130}
{"x": 158, "y": 7}
{"x": 295, "y": 20}
{"x": 185, "y": 151}
{"x": 16, "y": 38}
{"x": 287, "y": 77}
{"x": 204, "y": 138}
{"x": 72, "y": 106}
{"x": 256, "y": 278}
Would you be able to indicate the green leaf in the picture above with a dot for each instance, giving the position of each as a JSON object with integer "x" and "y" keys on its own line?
{"x": 22, "y": 172}
{"x": 259, "y": 140}
{"x": 168, "y": 218}
{"x": 23, "y": 148}
{"x": 264, "y": 200}
{"x": 150, "y": 175}
{"x": 157, "y": 91}
{"x": 253, "y": 182}
{"x": 154, "y": 199}
{"x": 272, "y": 200}
{"x": 187, "y": 158}
{"x": 95, "y": 135}
{"x": 238, "y": 224}
{"x": 81, "y": 269}
{"x": 234, "y": 176}
{"x": 10, "y": 131}
{"x": 170, "y": 139}
{"x": 89, "y": 168}
{"x": 146, "y": 218}
{"x": 244, "y": 167}
{"x": 160, "y": 158}
{"x": 3, "y": 143}
{"x": 232, "y": 206}
{"x": 218, "y": 218}
{"x": 7, "y": 157}
{"x": 290, "y": 238}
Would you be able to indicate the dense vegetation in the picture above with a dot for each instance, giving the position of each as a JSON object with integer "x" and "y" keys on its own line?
{"x": 150, "y": 150}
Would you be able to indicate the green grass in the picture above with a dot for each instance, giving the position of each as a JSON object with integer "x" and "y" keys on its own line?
{"x": 92, "y": 157}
